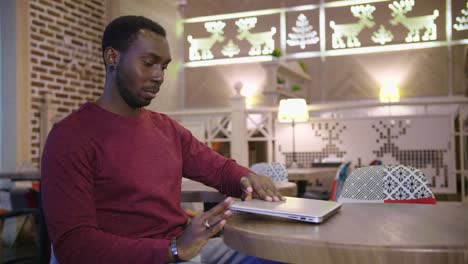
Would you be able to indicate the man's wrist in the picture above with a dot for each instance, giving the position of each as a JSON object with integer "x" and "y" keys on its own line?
{"x": 173, "y": 250}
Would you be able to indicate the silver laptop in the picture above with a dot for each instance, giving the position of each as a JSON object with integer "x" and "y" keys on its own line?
{"x": 308, "y": 210}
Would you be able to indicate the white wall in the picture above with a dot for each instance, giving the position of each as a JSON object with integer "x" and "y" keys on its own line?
{"x": 8, "y": 85}
{"x": 1, "y": 88}
{"x": 165, "y": 13}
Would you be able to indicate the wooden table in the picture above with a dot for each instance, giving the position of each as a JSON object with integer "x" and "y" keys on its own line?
{"x": 193, "y": 191}
{"x": 309, "y": 174}
{"x": 304, "y": 175}
{"x": 21, "y": 176}
{"x": 360, "y": 234}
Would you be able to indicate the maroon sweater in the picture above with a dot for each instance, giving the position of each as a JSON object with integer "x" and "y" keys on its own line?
{"x": 111, "y": 184}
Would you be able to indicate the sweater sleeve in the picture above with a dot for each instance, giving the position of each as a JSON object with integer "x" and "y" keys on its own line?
{"x": 67, "y": 171}
{"x": 201, "y": 163}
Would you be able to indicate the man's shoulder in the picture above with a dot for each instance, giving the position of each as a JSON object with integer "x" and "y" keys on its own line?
{"x": 74, "y": 121}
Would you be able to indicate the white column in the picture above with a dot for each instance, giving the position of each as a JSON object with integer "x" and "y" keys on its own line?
{"x": 47, "y": 119}
{"x": 239, "y": 146}
{"x": 463, "y": 119}
{"x": 181, "y": 52}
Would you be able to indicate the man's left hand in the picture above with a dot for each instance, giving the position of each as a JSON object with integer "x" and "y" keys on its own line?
{"x": 260, "y": 187}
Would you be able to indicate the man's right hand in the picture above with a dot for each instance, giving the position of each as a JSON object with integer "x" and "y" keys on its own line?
{"x": 201, "y": 228}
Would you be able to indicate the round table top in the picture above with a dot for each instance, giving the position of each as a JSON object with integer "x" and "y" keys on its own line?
{"x": 359, "y": 233}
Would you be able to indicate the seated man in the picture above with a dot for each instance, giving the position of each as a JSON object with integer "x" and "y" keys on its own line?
{"x": 112, "y": 170}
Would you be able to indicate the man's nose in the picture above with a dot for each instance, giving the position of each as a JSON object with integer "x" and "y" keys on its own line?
{"x": 158, "y": 74}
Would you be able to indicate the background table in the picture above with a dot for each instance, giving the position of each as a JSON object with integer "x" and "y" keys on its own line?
{"x": 193, "y": 191}
{"x": 21, "y": 176}
{"x": 359, "y": 233}
{"x": 305, "y": 175}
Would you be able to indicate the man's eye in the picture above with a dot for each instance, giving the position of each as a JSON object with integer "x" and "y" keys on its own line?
{"x": 164, "y": 67}
{"x": 147, "y": 63}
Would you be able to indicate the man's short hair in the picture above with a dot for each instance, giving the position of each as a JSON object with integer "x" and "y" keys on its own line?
{"x": 122, "y": 31}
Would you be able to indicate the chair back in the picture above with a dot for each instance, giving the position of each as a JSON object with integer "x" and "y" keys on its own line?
{"x": 275, "y": 170}
{"x": 338, "y": 182}
{"x": 387, "y": 184}
{"x": 44, "y": 243}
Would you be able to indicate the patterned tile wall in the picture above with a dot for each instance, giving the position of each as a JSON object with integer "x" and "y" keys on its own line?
{"x": 420, "y": 142}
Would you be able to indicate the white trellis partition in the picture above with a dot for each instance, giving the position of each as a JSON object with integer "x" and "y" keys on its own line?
{"x": 429, "y": 134}
{"x": 462, "y": 135}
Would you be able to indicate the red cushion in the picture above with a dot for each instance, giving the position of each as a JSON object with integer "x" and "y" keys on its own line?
{"x": 414, "y": 201}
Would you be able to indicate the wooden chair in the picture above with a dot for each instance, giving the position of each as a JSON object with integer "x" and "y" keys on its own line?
{"x": 387, "y": 184}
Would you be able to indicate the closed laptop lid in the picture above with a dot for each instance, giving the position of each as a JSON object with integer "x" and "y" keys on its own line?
{"x": 308, "y": 210}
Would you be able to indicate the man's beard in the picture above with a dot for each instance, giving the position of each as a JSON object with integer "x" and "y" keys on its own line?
{"x": 132, "y": 100}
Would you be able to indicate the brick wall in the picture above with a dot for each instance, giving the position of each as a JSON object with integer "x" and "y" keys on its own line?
{"x": 66, "y": 56}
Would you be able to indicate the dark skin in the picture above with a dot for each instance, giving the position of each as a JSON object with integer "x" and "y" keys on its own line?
{"x": 133, "y": 79}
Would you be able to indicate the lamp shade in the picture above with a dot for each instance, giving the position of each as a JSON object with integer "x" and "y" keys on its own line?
{"x": 293, "y": 109}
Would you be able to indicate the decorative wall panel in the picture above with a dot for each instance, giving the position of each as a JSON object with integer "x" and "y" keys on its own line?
{"x": 421, "y": 142}
{"x": 334, "y": 25}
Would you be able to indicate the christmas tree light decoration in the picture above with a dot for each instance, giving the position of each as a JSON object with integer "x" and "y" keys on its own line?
{"x": 200, "y": 48}
{"x": 414, "y": 24}
{"x": 303, "y": 33}
{"x": 382, "y": 36}
{"x": 256, "y": 39}
{"x": 350, "y": 31}
{"x": 230, "y": 50}
{"x": 462, "y": 21}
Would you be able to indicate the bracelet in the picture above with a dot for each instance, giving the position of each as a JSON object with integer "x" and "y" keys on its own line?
{"x": 175, "y": 254}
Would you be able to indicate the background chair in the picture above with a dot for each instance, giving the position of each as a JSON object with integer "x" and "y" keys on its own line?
{"x": 387, "y": 184}
{"x": 31, "y": 208}
{"x": 338, "y": 182}
{"x": 275, "y": 170}
{"x": 278, "y": 174}
{"x": 43, "y": 241}
{"x": 376, "y": 162}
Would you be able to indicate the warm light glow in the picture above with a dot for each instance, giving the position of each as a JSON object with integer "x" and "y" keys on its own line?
{"x": 389, "y": 93}
{"x": 247, "y": 90}
{"x": 249, "y": 102}
{"x": 249, "y": 93}
{"x": 293, "y": 109}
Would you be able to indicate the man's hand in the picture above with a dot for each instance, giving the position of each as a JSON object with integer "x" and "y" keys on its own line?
{"x": 260, "y": 187}
{"x": 201, "y": 228}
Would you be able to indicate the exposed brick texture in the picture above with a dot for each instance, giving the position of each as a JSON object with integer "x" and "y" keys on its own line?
{"x": 66, "y": 56}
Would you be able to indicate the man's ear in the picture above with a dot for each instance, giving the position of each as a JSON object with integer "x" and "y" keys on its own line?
{"x": 111, "y": 57}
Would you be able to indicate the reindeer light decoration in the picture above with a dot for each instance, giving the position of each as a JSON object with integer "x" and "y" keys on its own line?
{"x": 256, "y": 39}
{"x": 200, "y": 48}
{"x": 462, "y": 20}
{"x": 414, "y": 24}
{"x": 350, "y": 31}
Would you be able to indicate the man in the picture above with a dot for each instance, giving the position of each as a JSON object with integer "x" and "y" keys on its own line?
{"x": 111, "y": 171}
